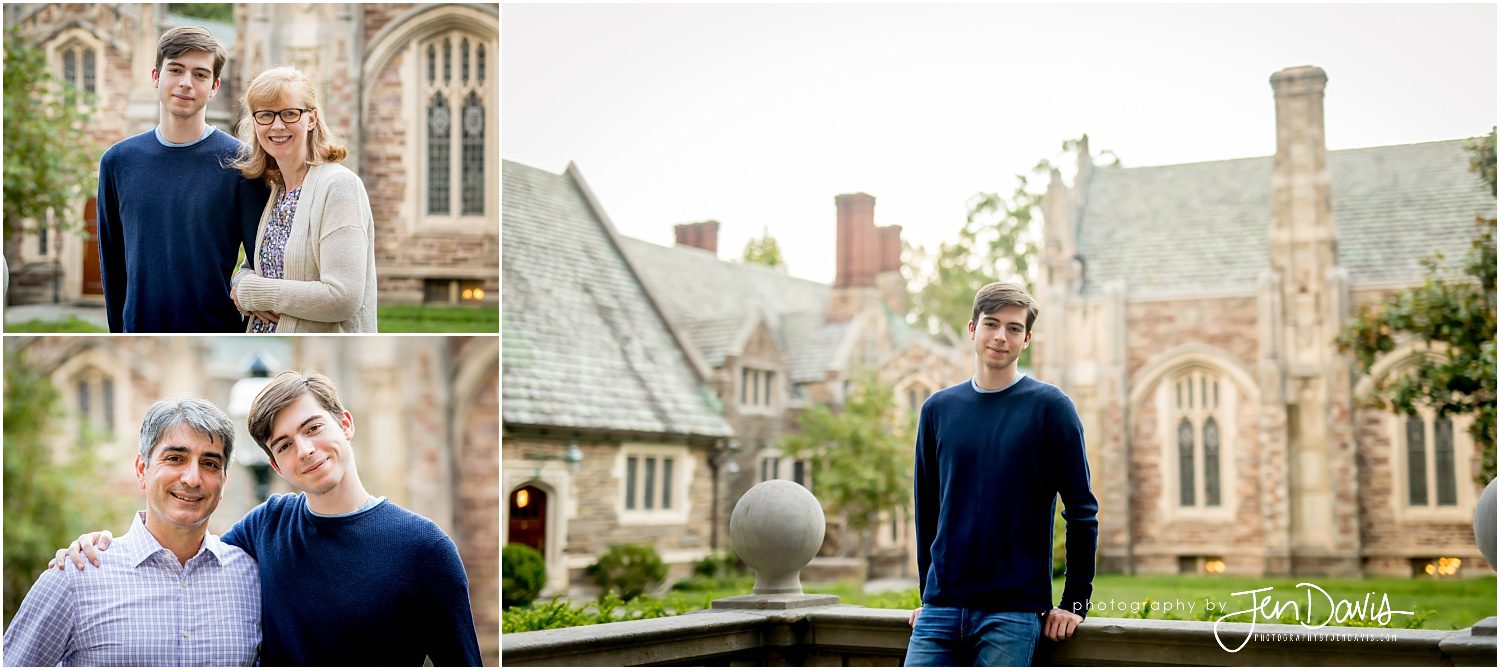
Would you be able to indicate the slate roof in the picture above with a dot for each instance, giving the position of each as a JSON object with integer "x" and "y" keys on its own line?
{"x": 583, "y": 345}
{"x": 1202, "y": 227}
{"x": 713, "y": 300}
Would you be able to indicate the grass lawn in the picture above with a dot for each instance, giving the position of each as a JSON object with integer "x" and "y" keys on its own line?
{"x": 438, "y": 319}
{"x": 1446, "y": 604}
{"x": 71, "y": 324}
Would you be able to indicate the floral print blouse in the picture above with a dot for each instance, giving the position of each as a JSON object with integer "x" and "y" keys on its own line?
{"x": 273, "y": 247}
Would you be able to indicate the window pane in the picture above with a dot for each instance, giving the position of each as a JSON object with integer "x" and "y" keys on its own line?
{"x": 88, "y": 71}
{"x": 1416, "y": 460}
{"x": 767, "y": 400}
{"x": 1185, "y": 459}
{"x": 797, "y": 472}
{"x": 630, "y": 482}
{"x": 463, "y": 55}
{"x": 1179, "y": 395}
{"x": 438, "y": 150}
{"x": 447, "y": 61}
{"x": 666, "y": 483}
{"x": 431, "y": 63}
{"x": 479, "y": 64}
{"x": 473, "y": 156}
{"x": 776, "y": 468}
{"x": 648, "y": 494}
{"x": 41, "y": 239}
{"x": 1442, "y": 445}
{"x": 1211, "y": 463}
{"x": 83, "y": 398}
{"x": 109, "y": 404}
{"x": 70, "y": 68}
{"x": 744, "y": 386}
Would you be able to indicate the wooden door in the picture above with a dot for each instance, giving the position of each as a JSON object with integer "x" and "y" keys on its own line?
{"x": 528, "y": 518}
{"x": 93, "y": 282}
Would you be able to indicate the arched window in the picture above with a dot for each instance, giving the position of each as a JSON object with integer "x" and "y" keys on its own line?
{"x": 456, "y": 92}
{"x": 76, "y": 56}
{"x": 1431, "y": 466}
{"x": 1192, "y": 402}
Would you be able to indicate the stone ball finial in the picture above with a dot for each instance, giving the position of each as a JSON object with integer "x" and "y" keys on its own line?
{"x": 776, "y": 528}
{"x": 1484, "y": 524}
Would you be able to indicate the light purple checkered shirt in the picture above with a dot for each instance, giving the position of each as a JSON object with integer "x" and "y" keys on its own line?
{"x": 142, "y": 608}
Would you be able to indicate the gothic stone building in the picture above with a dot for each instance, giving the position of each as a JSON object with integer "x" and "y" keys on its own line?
{"x": 426, "y": 412}
{"x": 740, "y": 349}
{"x": 411, "y": 88}
{"x": 1190, "y": 312}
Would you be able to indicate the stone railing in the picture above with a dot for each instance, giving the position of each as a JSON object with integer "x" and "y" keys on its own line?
{"x": 778, "y": 625}
{"x": 855, "y": 636}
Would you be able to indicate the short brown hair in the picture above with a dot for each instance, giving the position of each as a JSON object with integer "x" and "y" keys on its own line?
{"x": 183, "y": 39}
{"x": 999, "y": 294}
{"x": 287, "y": 388}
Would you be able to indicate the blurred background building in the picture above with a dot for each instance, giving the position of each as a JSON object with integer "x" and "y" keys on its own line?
{"x": 411, "y": 88}
{"x": 426, "y": 416}
{"x": 648, "y": 387}
{"x": 1190, "y": 311}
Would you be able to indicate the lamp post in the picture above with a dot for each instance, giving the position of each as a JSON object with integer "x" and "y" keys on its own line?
{"x": 241, "y": 395}
{"x": 572, "y": 456}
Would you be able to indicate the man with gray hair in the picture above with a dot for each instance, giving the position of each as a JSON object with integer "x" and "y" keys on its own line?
{"x": 170, "y": 593}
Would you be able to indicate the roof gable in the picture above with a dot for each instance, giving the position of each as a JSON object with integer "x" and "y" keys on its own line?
{"x": 584, "y": 346}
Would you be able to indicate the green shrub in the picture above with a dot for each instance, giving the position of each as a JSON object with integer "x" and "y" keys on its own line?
{"x": 629, "y": 570}
{"x": 523, "y": 574}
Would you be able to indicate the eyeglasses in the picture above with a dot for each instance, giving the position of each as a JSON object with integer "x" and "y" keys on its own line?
{"x": 266, "y": 116}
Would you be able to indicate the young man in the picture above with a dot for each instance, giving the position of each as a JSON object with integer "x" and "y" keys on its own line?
{"x": 172, "y": 216}
{"x": 169, "y": 593}
{"x": 347, "y": 578}
{"x": 993, "y": 453}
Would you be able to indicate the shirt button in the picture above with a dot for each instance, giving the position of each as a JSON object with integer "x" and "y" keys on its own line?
{"x": 184, "y": 633}
{"x": 184, "y": 584}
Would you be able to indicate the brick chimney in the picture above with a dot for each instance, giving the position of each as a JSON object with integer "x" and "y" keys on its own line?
{"x": 868, "y": 261}
{"x": 702, "y": 235}
{"x": 858, "y": 257}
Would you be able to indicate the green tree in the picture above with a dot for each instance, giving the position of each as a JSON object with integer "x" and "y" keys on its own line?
{"x": 997, "y": 242}
{"x": 1451, "y": 317}
{"x": 48, "y": 500}
{"x": 764, "y": 250}
{"x": 861, "y": 457}
{"x": 49, "y": 160}
{"x": 222, "y": 12}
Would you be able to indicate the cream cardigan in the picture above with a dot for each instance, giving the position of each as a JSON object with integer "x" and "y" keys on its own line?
{"x": 328, "y": 283}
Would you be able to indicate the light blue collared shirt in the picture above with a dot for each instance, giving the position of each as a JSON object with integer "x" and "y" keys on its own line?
{"x": 142, "y": 607}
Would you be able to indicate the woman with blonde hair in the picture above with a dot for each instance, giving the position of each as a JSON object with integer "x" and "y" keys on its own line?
{"x": 313, "y": 269}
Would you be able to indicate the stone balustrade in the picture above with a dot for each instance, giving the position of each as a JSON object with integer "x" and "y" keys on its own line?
{"x": 779, "y": 625}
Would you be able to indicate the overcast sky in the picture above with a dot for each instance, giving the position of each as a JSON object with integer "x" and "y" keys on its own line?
{"x": 758, "y": 115}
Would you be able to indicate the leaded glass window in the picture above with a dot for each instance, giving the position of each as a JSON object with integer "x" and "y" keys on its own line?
{"x": 438, "y": 127}
{"x": 1211, "y": 462}
{"x": 473, "y": 153}
{"x": 88, "y": 71}
{"x": 1416, "y": 460}
{"x": 630, "y": 466}
{"x": 70, "y": 67}
{"x": 1185, "y": 461}
{"x": 650, "y": 484}
{"x": 1442, "y": 447}
{"x": 459, "y": 97}
{"x": 666, "y": 483}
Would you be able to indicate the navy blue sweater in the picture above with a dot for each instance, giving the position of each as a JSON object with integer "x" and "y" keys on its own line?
{"x": 989, "y": 468}
{"x": 381, "y": 587}
{"x": 171, "y": 223}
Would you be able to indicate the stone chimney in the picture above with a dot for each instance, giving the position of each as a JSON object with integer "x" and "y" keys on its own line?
{"x": 888, "y": 279}
{"x": 702, "y": 235}
{"x": 1302, "y": 233}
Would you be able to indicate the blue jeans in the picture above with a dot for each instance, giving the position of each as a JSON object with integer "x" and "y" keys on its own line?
{"x": 959, "y": 636}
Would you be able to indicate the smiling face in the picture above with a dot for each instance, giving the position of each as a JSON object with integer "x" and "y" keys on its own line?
{"x": 185, "y": 83}
{"x": 287, "y": 143}
{"x": 310, "y": 447}
{"x": 999, "y": 337}
{"x": 184, "y": 478}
